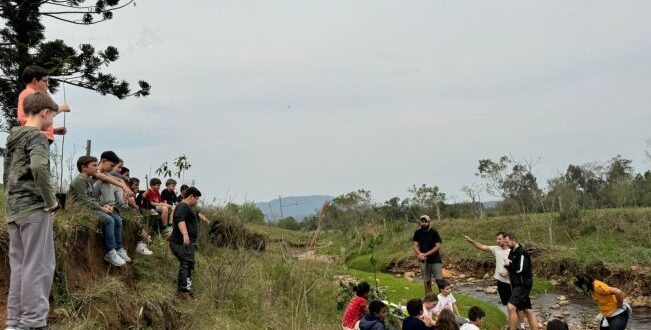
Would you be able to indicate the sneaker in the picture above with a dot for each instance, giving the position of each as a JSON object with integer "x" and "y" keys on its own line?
{"x": 142, "y": 248}
{"x": 153, "y": 212}
{"x": 114, "y": 259}
{"x": 123, "y": 254}
{"x": 167, "y": 231}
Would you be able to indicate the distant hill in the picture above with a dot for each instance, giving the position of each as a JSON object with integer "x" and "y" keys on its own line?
{"x": 298, "y": 207}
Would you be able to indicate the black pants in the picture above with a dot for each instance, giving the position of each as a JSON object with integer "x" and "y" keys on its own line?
{"x": 504, "y": 290}
{"x": 617, "y": 322}
{"x": 185, "y": 255}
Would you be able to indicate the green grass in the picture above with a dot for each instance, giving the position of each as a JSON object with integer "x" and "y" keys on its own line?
{"x": 400, "y": 290}
{"x": 618, "y": 238}
{"x": 279, "y": 234}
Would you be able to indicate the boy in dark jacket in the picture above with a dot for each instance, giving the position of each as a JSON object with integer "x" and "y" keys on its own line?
{"x": 377, "y": 311}
{"x": 30, "y": 202}
{"x": 521, "y": 276}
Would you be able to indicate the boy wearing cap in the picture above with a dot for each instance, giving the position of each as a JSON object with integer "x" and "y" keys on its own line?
{"x": 30, "y": 202}
{"x": 427, "y": 244}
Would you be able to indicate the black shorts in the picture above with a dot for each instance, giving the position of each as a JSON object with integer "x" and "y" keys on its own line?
{"x": 504, "y": 290}
{"x": 520, "y": 297}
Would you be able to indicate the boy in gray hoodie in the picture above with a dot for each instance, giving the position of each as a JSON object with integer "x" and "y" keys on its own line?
{"x": 30, "y": 202}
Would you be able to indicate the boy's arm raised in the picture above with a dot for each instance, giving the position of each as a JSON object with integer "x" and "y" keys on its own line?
{"x": 40, "y": 167}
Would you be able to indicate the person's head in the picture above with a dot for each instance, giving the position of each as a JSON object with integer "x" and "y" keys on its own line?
{"x": 36, "y": 77}
{"x": 154, "y": 184}
{"x": 511, "y": 240}
{"x": 134, "y": 184}
{"x": 500, "y": 238}
{"x": 125, "y": 172}
{"x": 184, "y": 187}
{"x": 424, "y": 222}
{"x": 557, "y": 324}
{"x": 446, "y": 320}
{"x": 191, "y": 196}
{"x": 118, "y": 166}
{"x": 445, "y": 288}
{"x": 475, "y": 315}
{"x": 584, "y": 283}
{"x": 362, "y": 289}
{"x": 415, "y": 307}
{"x": 40, "y": 109}
{"x": 430, "y": 301}
{"x": 377, "y": 309}
{"x": 107, "y": 161}
{"x": 87, "y": 165}
{"x": 170, "y": 184}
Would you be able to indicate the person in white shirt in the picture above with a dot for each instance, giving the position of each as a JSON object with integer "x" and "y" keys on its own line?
{"x": 446, "y": 299}
{"x": 501, "y": 253}
{"x": 429, "y": 302}
{"x": 476, "y": 316}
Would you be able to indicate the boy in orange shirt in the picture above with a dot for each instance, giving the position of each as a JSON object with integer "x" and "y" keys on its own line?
{"x": 36, "y": 80}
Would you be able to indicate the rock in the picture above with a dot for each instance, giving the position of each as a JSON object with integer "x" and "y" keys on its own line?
{"x": 462, "y": 276}
{"x": 447, "y": 273}
{"x": 398, "y": 275}
{"x": 563, "y": 302}
{"x": 471, "y": 279}
{"x": 556, "y": 306}
{"x": 641, "y": 301}
{"x": 410, "y": 274}
{"x": 478, "y": 289}
{"x": 491, "y": 290}
{"x": 487, "y": 276}
{"x": 566, "y": 313}
{"x": 561, "y": 298}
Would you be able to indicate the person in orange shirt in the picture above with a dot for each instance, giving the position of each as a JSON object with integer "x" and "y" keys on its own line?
{"x": 36, "y": 80}
{"x": 614, "y": 312}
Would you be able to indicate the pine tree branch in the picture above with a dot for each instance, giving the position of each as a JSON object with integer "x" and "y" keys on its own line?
{"x": 71, "y": 21}
{"x": 92, "y": 12}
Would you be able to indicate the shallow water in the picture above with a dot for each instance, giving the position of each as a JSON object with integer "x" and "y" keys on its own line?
{"x": 580, "y": 308}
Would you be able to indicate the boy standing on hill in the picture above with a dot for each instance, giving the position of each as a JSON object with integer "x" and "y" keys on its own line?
{"x": 30, "y": 202}
{"x": 36, "y": 80}
{"x": 184, "y": 239}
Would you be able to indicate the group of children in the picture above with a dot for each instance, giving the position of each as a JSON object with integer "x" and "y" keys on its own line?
{"x": 438, "y": 312}
{"x": 103, "y": 186}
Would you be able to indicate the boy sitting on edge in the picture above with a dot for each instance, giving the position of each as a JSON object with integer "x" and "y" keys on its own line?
{"x": 168, "y": 194}
{"x": 81, "y": 189}
{"x": 377, "y": 311}
{"x": 413, "y": 321}
{"x": 475, "y": 315}
{"x": 154, "y": 199}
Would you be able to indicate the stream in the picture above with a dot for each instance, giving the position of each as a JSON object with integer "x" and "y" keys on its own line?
{"x": 579, "y": 309}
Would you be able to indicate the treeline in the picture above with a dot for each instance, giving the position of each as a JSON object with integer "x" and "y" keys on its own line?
{"x": 609, "y": 184}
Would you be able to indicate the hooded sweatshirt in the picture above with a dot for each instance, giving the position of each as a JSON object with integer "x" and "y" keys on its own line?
{"x": 369, "y": 322}
{"x": 27, "y": 173}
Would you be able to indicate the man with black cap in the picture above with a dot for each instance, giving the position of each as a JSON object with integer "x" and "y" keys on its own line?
{"x": 427, "y": 244}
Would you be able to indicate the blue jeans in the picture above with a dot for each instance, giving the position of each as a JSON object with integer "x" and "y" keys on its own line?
{"x": 112, "y": 228}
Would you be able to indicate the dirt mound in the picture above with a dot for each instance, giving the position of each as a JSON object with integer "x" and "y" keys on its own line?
{"x": 82, "y": 277}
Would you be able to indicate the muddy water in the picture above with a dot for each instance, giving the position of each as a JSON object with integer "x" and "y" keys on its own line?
{"x": 580, "y": 309}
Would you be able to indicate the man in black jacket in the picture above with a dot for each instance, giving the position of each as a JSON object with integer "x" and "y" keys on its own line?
{"x": 519, "y": 266}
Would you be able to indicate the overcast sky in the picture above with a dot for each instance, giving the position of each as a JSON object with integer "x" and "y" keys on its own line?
{"x": 271, "y": 98}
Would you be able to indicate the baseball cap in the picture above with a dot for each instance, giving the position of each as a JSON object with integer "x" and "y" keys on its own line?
{"x": 424, "y": 217}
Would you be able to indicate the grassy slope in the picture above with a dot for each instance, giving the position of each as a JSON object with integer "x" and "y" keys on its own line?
{"x": 599, "y": 236}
